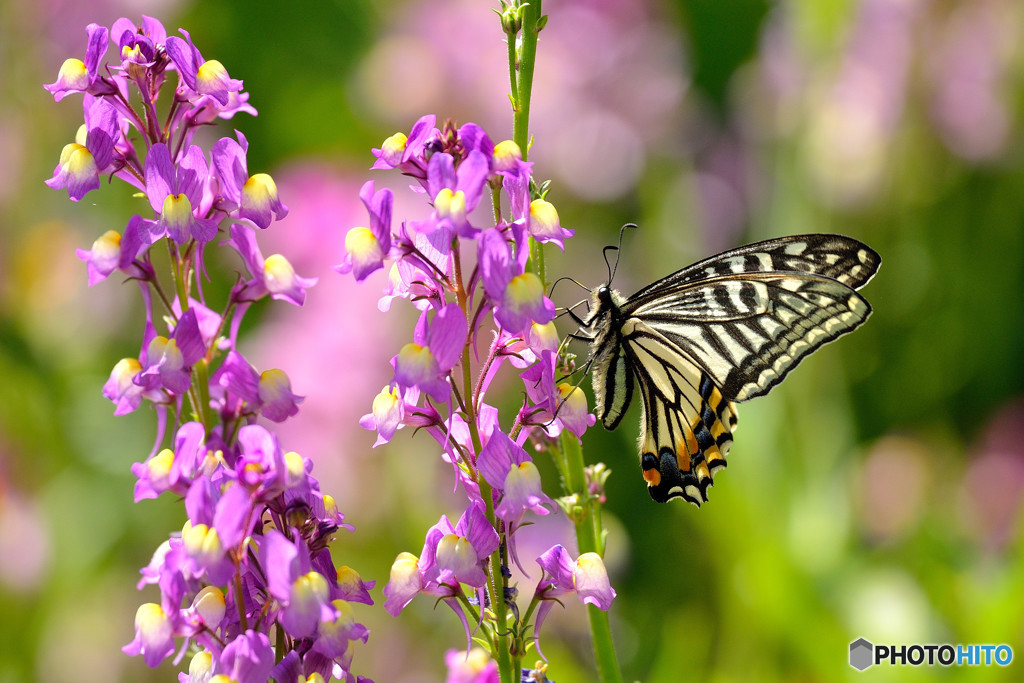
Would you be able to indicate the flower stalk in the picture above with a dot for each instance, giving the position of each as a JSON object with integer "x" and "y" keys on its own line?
{"x": 502, "y": 304}
{"x": 252, "y": 561}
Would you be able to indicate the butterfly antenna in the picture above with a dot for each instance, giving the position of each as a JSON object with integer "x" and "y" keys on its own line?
{"x": 618, "y": 249}
{"x": 576, "y": 282}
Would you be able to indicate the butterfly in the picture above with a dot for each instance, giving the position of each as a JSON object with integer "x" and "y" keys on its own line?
{"x": 721, "y": 331}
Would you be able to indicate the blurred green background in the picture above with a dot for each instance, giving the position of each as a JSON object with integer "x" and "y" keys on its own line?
{"x": 877, "y": 493}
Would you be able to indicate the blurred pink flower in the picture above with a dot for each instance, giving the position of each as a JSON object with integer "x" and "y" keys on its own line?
{"x": 894, "y": 485}
{"x": 334, "y": 342}
{"x": 993, "y": 485}
{"x": 970, "y": 64}
{"x": 852, "y": 124}
{"x": 600, "y": 60}
{"x": 25, "y": 543}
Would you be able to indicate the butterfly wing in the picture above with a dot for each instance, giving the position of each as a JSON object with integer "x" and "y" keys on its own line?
{"x": 836, "y": 257}
{"x": 687, "y": 424}
{"x": 749, "y": 316}
{"x": 728, "y": 328}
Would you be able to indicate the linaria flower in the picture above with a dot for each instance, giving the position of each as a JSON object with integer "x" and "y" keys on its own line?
{"x": 273, "y": 275}
{"x": 435, "y": 349}
{"x": 254, "y": 196}
{"x": 586, "y": 576}
{"x": 179, "y": 194}
{"x": 302, "y": 594}
{"x": 154, "y": 634}
{"x": 507, "y": 468}
{"x": 404, "y": 152}
{"x": 77, "y": 75}
{"x": 366, "y": 248}
{"x": 518, "y": 297}
{"x": 455, "y": 192}
{"x": 205, "y": 78}
{"x": 82, "y": 161}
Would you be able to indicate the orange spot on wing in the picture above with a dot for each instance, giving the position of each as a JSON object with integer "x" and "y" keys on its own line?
{"x": 652, "y": 476}
{"x": 684, "y": 463}
{"x": 691, "y": 443}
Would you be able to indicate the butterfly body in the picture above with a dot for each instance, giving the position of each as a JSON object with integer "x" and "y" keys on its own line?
{"x": 723, "y": 330}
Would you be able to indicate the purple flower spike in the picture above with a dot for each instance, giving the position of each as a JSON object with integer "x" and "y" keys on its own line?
{"x": 79, "y": 76}
{"x": 425, "y": 362}
{"x": 366, "y": 248}
{"x": 177, "y": 194}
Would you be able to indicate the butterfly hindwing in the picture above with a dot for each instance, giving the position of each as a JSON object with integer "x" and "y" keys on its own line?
{"x": 686, "y": 428}
{"x": 728, "y": 328}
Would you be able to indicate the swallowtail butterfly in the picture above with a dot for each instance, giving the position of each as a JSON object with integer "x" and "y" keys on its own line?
{"x": 723, "y": 330}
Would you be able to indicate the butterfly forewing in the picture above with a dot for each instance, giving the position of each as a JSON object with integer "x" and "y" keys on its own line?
{"x": 836, "y": 257}
{"x": 752, "y": 329}
{"x": 728, "y": 328}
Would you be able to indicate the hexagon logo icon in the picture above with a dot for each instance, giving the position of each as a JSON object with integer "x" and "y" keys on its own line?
{"x": 861, "y": 654}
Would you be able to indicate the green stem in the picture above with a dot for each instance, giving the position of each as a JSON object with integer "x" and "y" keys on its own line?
{"x": 199, "y": 393}
{"x": 203, "y": 411}
{"x": 513, "y": 68}
{"x": 589, "y": 539}
{"x": 588, "y": 522}
{"x": 524, "y": 82}
{"x": 502, "y": 651}
{"x": 537, "y": 261}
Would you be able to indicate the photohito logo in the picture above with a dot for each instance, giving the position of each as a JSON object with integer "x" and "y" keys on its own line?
{"x": 864, "y": 654}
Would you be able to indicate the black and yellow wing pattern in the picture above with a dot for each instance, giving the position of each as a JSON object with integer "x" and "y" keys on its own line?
{"x": 723, "y": 330}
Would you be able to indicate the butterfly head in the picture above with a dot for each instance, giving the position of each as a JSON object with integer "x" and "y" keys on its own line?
{"x": 606, "y": 299}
